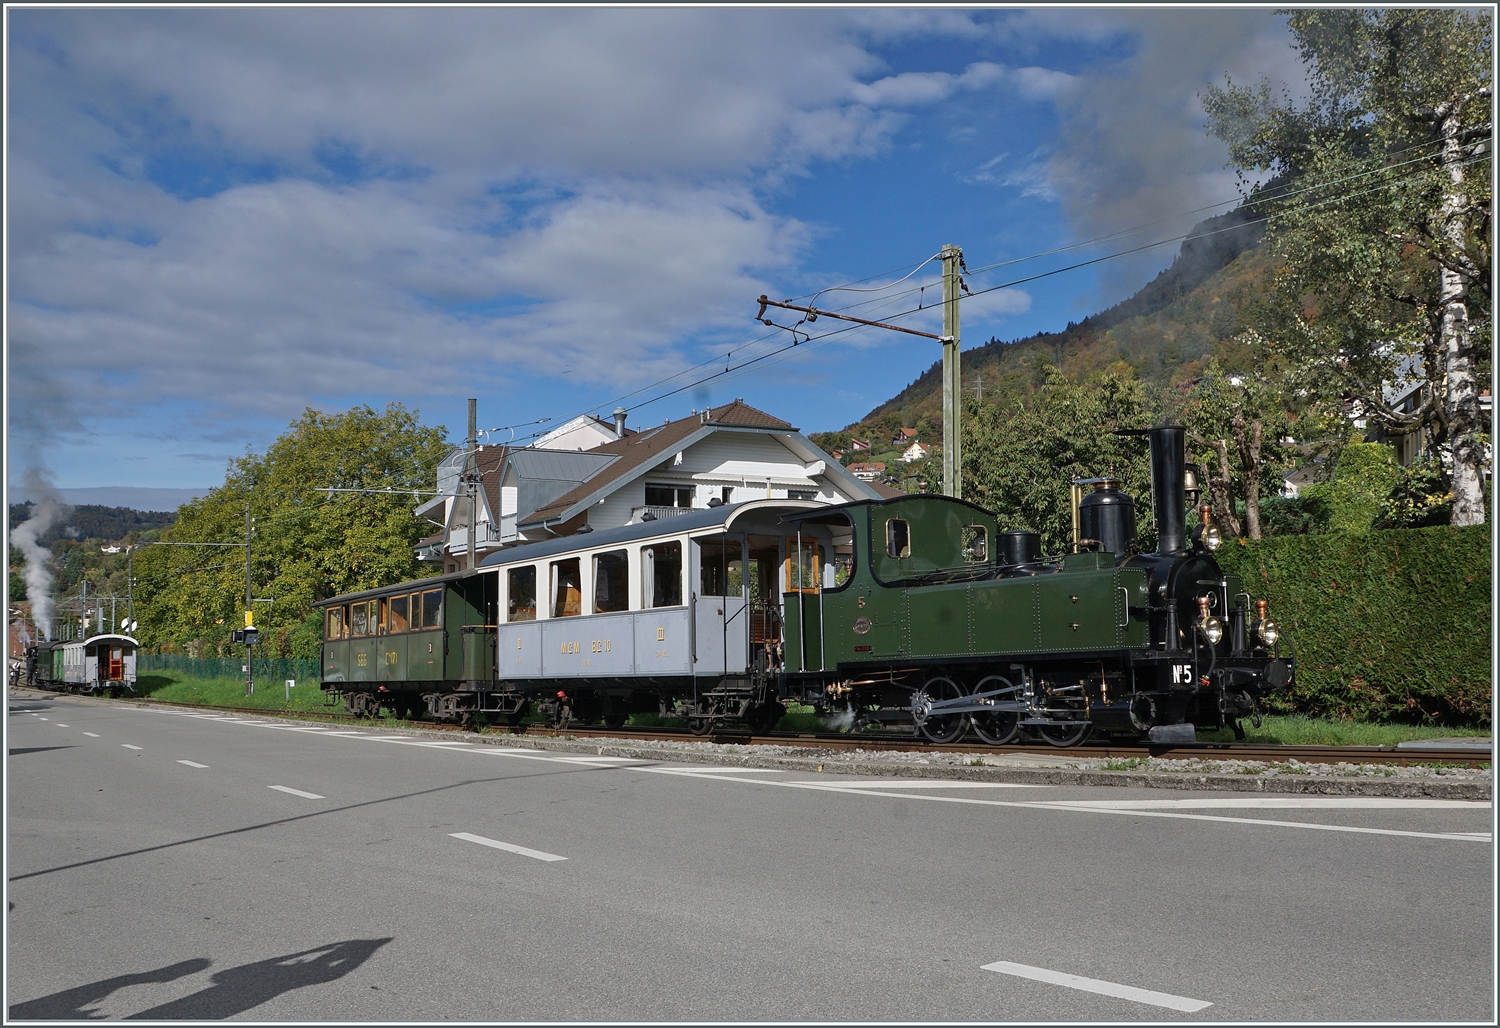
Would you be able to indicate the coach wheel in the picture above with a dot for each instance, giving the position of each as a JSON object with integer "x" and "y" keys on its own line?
{"x": 1001, "y": 726}
{"x": 944, "y": 727}
{"x": 616, "y": 719}
{"x": 699, "y": 725}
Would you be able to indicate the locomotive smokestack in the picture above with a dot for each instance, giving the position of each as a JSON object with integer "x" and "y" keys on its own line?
{"x": 1168, "y": 462}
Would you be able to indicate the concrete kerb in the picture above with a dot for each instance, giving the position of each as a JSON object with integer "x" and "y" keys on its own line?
{"x": 878, "y": 764}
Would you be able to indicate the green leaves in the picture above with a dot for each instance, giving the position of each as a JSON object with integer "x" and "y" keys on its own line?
{"x": 1019, "y": 459}
{"x": 307, "y": 545}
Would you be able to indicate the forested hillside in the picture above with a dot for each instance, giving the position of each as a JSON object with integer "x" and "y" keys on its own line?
{"x": 1189, "y": 313}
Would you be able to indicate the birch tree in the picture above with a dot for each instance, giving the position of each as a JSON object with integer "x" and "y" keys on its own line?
{"x": 1380, "y": 202}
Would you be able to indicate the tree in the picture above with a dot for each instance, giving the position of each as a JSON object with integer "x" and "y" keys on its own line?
{"x": 1381, "y": 214}
{"x": 1236, "y": 422}
{"x": 1020, "y": 458}
{"x": 308, "y": 544}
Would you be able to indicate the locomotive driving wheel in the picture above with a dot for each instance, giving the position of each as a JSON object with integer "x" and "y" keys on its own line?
{"x": 999, "y": 727}
{"x": 943, "y": 727}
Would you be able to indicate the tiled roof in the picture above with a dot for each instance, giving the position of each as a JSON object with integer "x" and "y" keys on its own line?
{"x": 742, "y": 415}
{"x": 652, "y": 446}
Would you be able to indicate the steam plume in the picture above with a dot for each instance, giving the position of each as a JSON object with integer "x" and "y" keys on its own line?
{"x": 49, "y": 509}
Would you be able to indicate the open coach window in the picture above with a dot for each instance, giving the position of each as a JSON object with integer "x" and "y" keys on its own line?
{"x": 567, "y": 588}
{"x": 397, "y": 616}
{"x": 661, "y": 575}
{"x": 335, "y": 623}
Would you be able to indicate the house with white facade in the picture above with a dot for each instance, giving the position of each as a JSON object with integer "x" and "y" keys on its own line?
{"x": 557, "y": 486}
{"x": 915, "y": 452}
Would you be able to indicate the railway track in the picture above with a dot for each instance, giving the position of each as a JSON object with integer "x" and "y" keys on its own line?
{"x": 832, "y": 741}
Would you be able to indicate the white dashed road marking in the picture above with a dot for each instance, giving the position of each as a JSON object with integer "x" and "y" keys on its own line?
{"x": 509, "y": 847}
{"x": 1074, "y": 981}
{"x": 297, "y": 792}
{"x": 190, "y": 763}
{"x": 92, "y": 735}
{"x": 61, "y": 725}
{"x": 1280, "y": 803}
{"x": 128, "y": 746}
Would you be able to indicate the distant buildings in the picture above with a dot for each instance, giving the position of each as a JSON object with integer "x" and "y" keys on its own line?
{"x": 867, "y": 471}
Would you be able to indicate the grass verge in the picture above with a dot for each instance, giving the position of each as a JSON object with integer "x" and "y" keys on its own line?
{"x": 1298, "y": 730}
{"x": 176, "y": 687}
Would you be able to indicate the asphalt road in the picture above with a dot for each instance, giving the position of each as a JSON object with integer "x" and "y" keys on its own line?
{"x": 164, "y": 865}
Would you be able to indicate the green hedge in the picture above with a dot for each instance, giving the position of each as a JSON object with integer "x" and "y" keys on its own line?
{"x": 274, "y": 669}
{"x": 1388, "y": 626}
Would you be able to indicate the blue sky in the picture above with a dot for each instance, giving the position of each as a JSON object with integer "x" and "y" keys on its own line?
{"x": 217, "y": 218}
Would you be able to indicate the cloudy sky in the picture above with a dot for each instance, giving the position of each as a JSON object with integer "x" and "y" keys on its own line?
{"x": 217, "y": 218}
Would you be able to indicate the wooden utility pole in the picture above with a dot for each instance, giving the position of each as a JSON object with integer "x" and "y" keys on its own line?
{"x": 249, "y": 609}
{"x": 952, "y": 380}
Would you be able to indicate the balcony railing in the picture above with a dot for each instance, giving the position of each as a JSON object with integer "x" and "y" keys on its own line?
{"x": 638, "y": 514}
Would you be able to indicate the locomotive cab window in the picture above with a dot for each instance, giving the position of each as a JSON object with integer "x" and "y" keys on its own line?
{"x": 396, "y": 615}
{"x": 897, "y": 538}
{"x": 611, "y": 582}
{"x": 432, "y": 608}
{"x": 661, "y": 575}
{"x": 976, "y": 544}
{"x": 522, "y": 582}
{"x": 567, "y": 588}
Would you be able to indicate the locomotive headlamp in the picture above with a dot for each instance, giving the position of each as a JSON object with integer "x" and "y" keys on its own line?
{"x": 1209, "y": 535}
{"x": 1213, "y": 629}
{"x": 1269, "y": 632}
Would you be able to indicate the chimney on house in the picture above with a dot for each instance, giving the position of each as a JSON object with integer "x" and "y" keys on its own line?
{"x": 619, "y": 422}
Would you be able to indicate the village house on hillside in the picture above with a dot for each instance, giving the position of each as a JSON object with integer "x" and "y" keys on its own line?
{"x": 589, "y": 474}
{"x": 867, "y": 471}
{"x": 915, "y": 452}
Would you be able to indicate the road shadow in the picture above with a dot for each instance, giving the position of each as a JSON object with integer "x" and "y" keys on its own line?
{"x": 35, "y": 749}
{"x": 73, "y": 1004}
{"x": 242, "y": 988}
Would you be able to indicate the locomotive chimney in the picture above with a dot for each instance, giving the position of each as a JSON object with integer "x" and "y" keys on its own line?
{"x": 1168, "y": 499}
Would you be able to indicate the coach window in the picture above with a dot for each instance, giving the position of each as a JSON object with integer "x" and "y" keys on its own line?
{"x": 360, "y": 623}
{"x": 567, "y": 589}
{"x": 661, "y": 575}
{"x": 897, "y": 538}
{"x": 335, "y": 623}
{"x": 396, "y": 617}
{"x": 522, "y": 582}
{"x": 379, "y": 615}
{"x": 611, "y": 582}
{"x": 432, "y": 608}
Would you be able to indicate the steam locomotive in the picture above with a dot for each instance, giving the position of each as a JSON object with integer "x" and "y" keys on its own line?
{"x": 915, "y": 613}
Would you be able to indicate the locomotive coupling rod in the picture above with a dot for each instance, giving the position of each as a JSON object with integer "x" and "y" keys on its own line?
{"x": 815, "y": 313}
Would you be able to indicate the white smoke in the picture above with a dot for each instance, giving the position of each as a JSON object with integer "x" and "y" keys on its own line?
{"x": 49, "y": 509}
{"x": 841, "y": 721}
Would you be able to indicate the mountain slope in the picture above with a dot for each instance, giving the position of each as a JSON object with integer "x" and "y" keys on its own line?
{"x": 1189, "y": 312}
